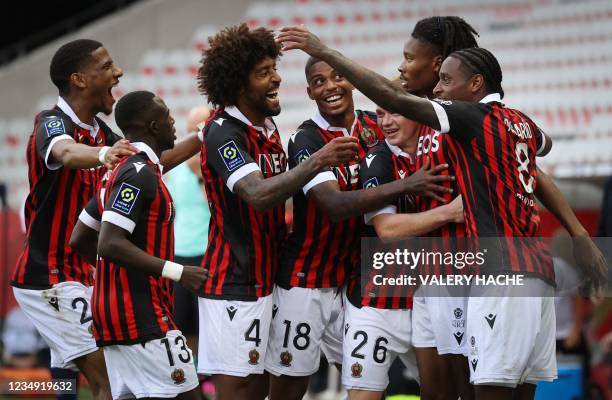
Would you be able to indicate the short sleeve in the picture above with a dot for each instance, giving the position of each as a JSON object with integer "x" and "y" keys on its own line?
{"x": 130, "y": 196}
{"x": 226, "y": 152}
{"x": 90, "y": 215}
{"x": 377, "y": 169}
{"x": 459, "y": 118}
{"x": 303, "y": 144}
{"x": 50, "y": 129}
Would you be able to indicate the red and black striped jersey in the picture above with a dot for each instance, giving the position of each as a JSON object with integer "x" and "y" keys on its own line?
{"x": 440, "y": 149}
{"x": 384, "y": 163}
{"x": 320, "y": 253}
{"x": 128, "y": 305}
{"x": 57, "y": 196}
{"x": 495, "y": 166}
{"x": 243, "y": 243}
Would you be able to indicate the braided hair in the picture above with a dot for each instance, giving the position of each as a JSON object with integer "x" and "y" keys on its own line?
{"x": 445, "y": 34}
{"x": 481, "y": 61}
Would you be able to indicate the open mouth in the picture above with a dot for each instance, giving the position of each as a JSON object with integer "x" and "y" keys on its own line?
{"x": 272, "y": 95}
{"x": 391, "y": 131}
{"x": 110, "y": 91}
{"x": 334, "y": 99}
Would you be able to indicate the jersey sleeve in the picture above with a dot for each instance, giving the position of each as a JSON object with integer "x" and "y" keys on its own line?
{"x": 111, "y": 137}
{"x": 303, "y": 144}
{"x": 226, "y": 152}
{"x": 130, "y": 196}
{"x": 90, "y": 215}
{"x": 460, "y": 119}
{"x": 50, "y": 129}
{"x": 376, "y": 169}
{"x": 540, "y": 138}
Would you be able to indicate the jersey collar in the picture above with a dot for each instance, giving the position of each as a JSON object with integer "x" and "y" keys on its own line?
{"x": 399, "y": 152}
{"x": 141, "y": 146}
{"x": 65, "y": 107}
{"x": 323, "y": 124}
{"x": 490, "y": 98}
{"x": 268, "y": 130}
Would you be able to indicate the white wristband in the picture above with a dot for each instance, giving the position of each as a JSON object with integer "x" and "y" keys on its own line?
{"x": 102, "y": 154}
{"x": 172, "y": 271}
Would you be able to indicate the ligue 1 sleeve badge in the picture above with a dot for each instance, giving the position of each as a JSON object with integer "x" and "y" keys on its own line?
{"x": 178, "y": 376}
{"x": 253, "y": 357}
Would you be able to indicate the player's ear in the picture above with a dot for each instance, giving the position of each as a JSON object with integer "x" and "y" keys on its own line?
{"x": 477, "y": 83}
{"x": 78, "y": 79}
{"x": 153, "y": 127}
{"x": 437, "y": 64}
{"x": 309, "y": 92}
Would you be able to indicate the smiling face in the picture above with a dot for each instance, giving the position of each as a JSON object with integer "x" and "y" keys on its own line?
{"x": 455, "y": 84}
{"x": 399, "y": 131}
{"x": 419, "y": 69}
{"x": 261, "y": 94}
{"x": 100, "y": 75}
{"x": 164, "y": 125}
{"x": 332, "y": 93}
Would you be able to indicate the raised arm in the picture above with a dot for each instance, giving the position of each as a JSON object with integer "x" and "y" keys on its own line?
{"x": 183, "y": 150}
{"x": 263, "y": 194}
{"x": 374, "y": 86}
{"x": 391, "y": 227}
{"x": 339, "y": 205}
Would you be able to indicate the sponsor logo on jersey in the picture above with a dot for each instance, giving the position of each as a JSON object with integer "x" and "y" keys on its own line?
{"x": 125, "y": 199}
{"x": 231, "y": 156}
{"x": 54, "y": 126}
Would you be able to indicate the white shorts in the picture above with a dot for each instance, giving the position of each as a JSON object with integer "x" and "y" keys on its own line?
{"x": 439, "y": 322}
{"x": 374, "y": 337}
{"x": 304, "y": 322}
{"x": 512, "y": 339}
{"x": 157, "y": 368}
{"x": 62, "y": 316}
{"x": 233, "y": 336}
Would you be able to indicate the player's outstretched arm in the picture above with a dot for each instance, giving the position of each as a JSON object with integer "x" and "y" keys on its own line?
{"x": 374, "y": 86}
{"x": 114, "y": 245}
{"x": 339, "y": 205}
{"x": 391, "y": 227}
{"x": 84, "y": 240}
{"x": 183, "y": 150}
{"x": 77, "y": 156}
{"x": 586, "y": 253}
{"x": 264, "y": 194}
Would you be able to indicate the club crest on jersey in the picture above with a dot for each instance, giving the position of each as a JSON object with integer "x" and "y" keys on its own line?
{"x": 231, "y": 156}
{"x": 178, "y": 376}
{"x": 125, "y": 199}
{"x": 253, "y": 357}
{"x": 356, "y": 370}
{"x": 371, "y": 183}
{"x": 369, "y": 137}
{"x": 458, "y": 313}
{"x": 54, "y": 126}
{"x": 302, "y": 156}
{"x": 286, "y": 358}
